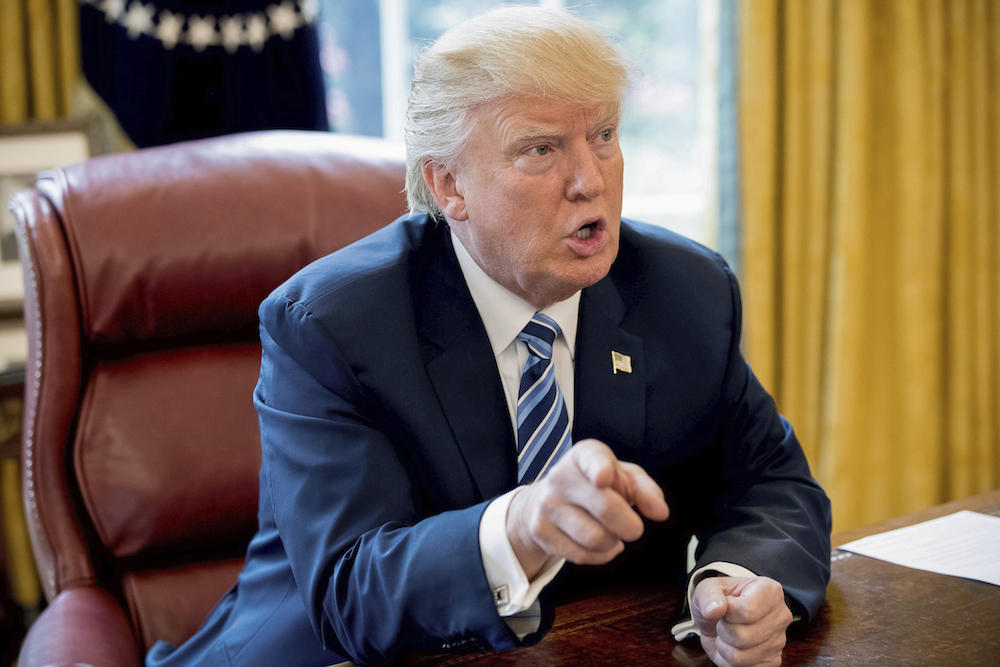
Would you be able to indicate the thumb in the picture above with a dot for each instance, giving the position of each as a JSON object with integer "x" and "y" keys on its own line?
{"x": 708, "y": 605}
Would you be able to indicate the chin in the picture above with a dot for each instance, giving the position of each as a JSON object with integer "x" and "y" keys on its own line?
{"x": 590, "y": 274}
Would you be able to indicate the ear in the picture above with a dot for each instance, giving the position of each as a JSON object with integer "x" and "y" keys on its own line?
{"x": 444, "y": 188}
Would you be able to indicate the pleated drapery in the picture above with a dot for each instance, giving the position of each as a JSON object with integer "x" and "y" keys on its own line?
{"x": 40, "y": 56}
{"x": 870, "y": 147}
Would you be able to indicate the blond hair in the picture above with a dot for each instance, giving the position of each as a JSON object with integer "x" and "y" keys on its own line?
{"x": 530, "y": 51}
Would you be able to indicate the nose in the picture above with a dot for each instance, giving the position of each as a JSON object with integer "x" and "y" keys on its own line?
{"x": 586, "y": 180}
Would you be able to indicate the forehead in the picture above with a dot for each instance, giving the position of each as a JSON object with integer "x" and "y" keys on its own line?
{"x": 520, "y": 116}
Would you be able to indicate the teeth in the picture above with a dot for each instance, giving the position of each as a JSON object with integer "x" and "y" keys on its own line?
{"x": 585, "y": 233}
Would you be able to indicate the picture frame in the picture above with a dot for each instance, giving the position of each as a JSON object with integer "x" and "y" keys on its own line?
{"x": 25, "y": 150}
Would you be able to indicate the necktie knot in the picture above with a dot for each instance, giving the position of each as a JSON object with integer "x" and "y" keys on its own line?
{"x": 539, "y": 334}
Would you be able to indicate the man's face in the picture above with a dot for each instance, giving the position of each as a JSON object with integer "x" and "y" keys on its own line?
{"x": 538, "y": 196}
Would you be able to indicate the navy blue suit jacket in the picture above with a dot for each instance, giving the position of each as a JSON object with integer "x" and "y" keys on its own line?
{"x": 385, "y": 434}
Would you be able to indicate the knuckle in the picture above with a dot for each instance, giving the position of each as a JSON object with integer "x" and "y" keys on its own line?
{"x": 772, "y": 653}
{"x": 600, "y": 505}
{"x": 585, "y": 557}
{"x": 633, "y": 529}
{"x": 595, "y": 539}
{"x": 739, "y": 635}
{"x": 742, "y": 657}
{"x": 609, "y": 554}
{"x": 632, "y": 468}
{"x": 726, "y": 652}
{"x": 774, "y": 588}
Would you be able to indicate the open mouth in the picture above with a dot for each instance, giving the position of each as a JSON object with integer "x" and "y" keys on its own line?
{"x": 587, "y": 230}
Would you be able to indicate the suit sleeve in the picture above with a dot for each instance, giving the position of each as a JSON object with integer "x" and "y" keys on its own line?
{"x": 376, "y": 577}
{"x": 769, "y": 514}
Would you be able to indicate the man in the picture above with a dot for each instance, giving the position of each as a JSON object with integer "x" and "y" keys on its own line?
{"x": 420, "y": 390}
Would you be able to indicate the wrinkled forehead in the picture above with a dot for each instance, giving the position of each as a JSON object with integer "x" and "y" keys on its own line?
{"x": 542, "y": 105}
{"x": 535, "y": 114}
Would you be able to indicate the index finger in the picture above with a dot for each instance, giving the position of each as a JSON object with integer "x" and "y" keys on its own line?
{"x": 596, "y": 462}
{"x": 640, "y": 490}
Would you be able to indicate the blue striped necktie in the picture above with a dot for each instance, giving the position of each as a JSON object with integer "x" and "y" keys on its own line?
{"x": 543, "y": 428}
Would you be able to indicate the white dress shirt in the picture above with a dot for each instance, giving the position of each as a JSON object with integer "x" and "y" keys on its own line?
{"x": 504, "y": 315}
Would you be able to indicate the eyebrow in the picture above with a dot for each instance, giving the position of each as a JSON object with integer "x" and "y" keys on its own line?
{"x": 534, "y": 134}
{"x": 612, "y": 115}
{"x": 540, "y": 132}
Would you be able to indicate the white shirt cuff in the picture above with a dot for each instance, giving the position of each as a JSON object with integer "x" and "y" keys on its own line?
{"x": 512, "y": 591}
{"x": 688, "y": 627}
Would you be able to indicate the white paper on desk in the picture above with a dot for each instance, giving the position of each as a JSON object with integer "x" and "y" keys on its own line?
{"x": 964, "y": 544}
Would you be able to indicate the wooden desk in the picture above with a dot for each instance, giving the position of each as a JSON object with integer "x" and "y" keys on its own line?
{"x": 875, "y": 613}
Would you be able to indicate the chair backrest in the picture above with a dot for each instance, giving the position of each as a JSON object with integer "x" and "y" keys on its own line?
{"x": 143, "y": 273}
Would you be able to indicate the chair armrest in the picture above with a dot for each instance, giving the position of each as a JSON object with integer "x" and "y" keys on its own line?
{"x": 81, "y": 626}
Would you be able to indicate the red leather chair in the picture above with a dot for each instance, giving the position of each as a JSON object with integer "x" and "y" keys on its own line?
{"x": 143, "y": 273}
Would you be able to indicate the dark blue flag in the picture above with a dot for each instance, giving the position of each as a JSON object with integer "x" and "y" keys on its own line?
{"x": 183, "y": 69}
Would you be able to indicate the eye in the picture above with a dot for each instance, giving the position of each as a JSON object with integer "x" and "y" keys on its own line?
{"x": 542, "y": 149}
{"x": 608, "y": 134}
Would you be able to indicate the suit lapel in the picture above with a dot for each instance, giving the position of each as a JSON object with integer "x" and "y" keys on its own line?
{"x": 610, "y": 406}
{"x": 463, "y": 372}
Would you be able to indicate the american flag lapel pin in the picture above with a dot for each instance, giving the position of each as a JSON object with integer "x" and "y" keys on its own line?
{"x": 620, "y": 362}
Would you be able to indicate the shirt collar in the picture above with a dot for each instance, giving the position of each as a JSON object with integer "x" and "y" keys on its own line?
{"x": 504, "y": 313}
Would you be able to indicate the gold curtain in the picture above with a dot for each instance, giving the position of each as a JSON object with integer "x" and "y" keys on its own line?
{"x": 39, "y": 49}
{"x": 870, "y": 145}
